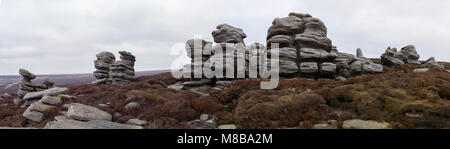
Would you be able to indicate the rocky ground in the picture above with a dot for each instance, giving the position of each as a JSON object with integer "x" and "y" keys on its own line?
{"x": 401, "y": 97}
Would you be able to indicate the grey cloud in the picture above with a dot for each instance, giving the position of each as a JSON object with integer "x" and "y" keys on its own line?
{"x": 54, "y": 36}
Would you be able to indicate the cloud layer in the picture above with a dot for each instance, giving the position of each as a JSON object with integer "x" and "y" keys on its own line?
{"x": 55, "y": 37}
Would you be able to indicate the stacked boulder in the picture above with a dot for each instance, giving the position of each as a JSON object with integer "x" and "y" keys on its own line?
{"x": 28, "y": 86}
{"x": 122, "y": 71}
{"x": 230, "y": 52}
{"x": 304, "y": 48}
{"x": 103, "y": 65}
{"x": 36, "y": 111}
{"x": 256, "y": 58}
{"x": 199, "y": 51}
{"x": 407, "y": 55}
{"x": 350, "y": 65}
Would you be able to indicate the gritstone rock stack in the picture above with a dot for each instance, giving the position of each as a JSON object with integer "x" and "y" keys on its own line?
{"x": 103, "y": 64}
{"x": 348, "y": 64}
{"x": 28, "y": 86}
{"x": 122, "y": 71}
{"x": 304, "y": 47}
{"x": 230, "y": 52}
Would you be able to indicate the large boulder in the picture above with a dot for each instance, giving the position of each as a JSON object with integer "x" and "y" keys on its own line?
{"x": 410, "y": 55}
{"x": 87, "y": 113}
{"x": 407, "y": 55}
{"x": 122, "y": 71}
{"x": 228, "y": 34}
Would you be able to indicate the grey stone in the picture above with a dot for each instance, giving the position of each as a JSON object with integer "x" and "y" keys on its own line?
{"x": 40, "y": 107}
{"x": 359, "y": 53}
{"x": 309, "y": 68}
{"x": 431, "y": 62}
{"x": 204, "y": 117}
{"x": 132, "y": 105}
{"x": 373, "y": 68}
{"x": 361, "y": 124}
{"x": 87, "y": 113}
{"x": 410, "y": 55}
{"x": 228, "y": 126}
{"x": 328, "y": 69}
{"x": 228, "y": 34}
{"x": 26, "y": 74}
{"x": 33, "y": 115}
{"x": 49, "y": 92}
{"x": 136, "y": 122}
{"x": 64, "y": 123}
{"x": 51, "y": 100}
{"x": 285, "y": 26}
{"x": 420, "y": 70}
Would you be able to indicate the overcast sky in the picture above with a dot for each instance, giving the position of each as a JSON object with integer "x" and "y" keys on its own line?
{"x": 63, "y": 36}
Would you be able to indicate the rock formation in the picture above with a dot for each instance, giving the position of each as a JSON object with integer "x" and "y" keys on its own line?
{"x": 228, "y": 34}
{"x": 407, "y": 55}
{"x": 349, "y": 65}
{"x": 431, "y": 62}
{"x": 103, "y": 64}
{"x": 122, "y": 71}
{"x": 199, "y": 51}
{"x": 28, "y": 86}
{"x": 305, "y": 49}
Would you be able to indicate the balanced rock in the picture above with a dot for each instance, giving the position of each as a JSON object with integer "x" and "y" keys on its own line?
{"x": 199, "y": 51}
{"x": 228, "y": 34}
{"x": 28, "y": 86}
{"x": 103, "y": 64}
{"x": 122, "y": 71}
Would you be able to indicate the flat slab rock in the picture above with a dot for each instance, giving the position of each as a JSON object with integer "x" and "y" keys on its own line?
{"x": 61, "y": 122}
{"x": 49, "y": 92}
{"x": 87, "y": 113}
{"x": 361, "y": 124}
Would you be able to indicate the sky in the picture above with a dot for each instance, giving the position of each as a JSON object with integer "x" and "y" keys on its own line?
{"x": 63, "y": 36}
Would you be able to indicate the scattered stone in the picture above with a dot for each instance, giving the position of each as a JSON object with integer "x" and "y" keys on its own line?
{"x": 361, "y": 124}
{"x": 136, "y": 122}
{"x": 51, "y": 100}
{"x": 228, "y": 126}
{"x": 132, "y": 105}
{"x": 204, "y": 117}
{"x": 87, "y": 113}
{"x": 421, "y": 70}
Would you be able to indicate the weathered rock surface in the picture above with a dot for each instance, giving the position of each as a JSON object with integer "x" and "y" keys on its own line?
{"x": 51, "y": 100}
{"x": 49, "y": 92}
{"x": 228, "y": 126}
{"x": 431, "y": 62}
{"x": 62, "y": 122}
{"x": 87, "y": 113}
{"x": 122, "y": 71}
{"x": 28, "y": 86}
{"x": 102, "y": 64}
{"x": 407, "y": 55}
{"x": 331, "y": 124}
{"x": 136, "y": 122}
{"x": 228, "y": 34}
{"x": 361, "y": 124}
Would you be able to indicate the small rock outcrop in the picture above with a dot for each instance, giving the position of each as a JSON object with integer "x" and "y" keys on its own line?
{"x": 122, "y": 71}
{"x": 103, "y": 65}
{"x": 28, "y": 86}
{"x": 431, "y": 62}
{"x": 407, "y": 55}
{"x": 37, "y": 110}
{"x": 351, "y": 65}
